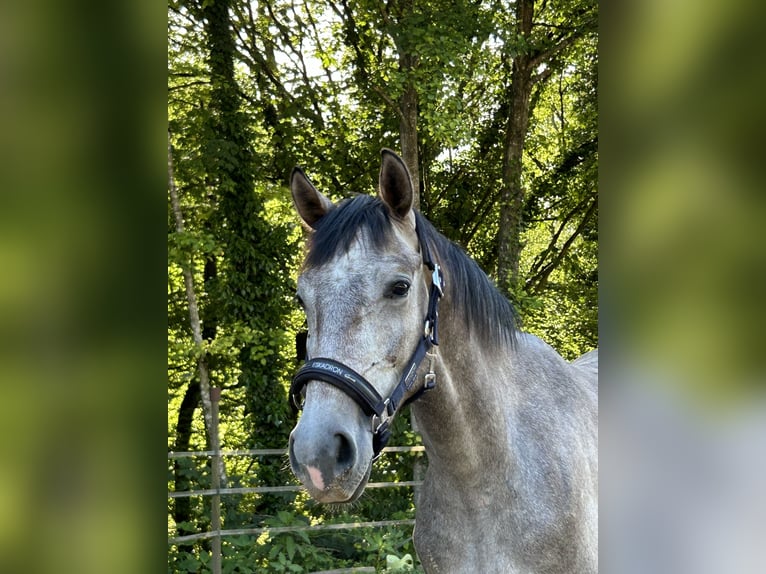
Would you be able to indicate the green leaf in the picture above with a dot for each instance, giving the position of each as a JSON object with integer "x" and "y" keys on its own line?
{"x": 290, "y": 547}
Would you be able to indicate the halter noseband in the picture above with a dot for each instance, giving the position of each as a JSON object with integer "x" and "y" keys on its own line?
{"x": 381, "y": 411}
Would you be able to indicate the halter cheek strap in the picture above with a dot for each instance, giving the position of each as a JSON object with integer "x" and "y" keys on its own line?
{"x": 380, "y": 410}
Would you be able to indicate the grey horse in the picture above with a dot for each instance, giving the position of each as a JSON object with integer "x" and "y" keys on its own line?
{"x": 509, "y": 426}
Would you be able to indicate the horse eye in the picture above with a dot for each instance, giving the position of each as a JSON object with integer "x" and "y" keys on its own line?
{"x": 400, "y": 289}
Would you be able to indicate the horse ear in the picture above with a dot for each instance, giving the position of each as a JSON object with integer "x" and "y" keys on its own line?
{"x": 309, "y": 203}
{"x": 395, "y": 184}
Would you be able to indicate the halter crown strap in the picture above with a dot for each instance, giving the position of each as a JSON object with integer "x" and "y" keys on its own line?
{"x": 437, "y": 288}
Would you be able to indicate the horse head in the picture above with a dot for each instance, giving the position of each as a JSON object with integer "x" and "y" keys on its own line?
{"x": 365, "y": 292}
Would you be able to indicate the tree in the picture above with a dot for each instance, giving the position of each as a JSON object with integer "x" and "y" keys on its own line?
{"x": 246, "y": 271}
{"x": 402, "y": 52}
{"x": 535, "y": 50}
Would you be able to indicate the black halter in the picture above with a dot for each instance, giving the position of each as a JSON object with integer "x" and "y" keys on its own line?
{"x": 381, "y": 411}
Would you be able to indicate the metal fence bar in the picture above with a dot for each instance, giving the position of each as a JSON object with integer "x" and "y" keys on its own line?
{"x": 284, "y": 529}
{"x": 253, "y": 452}
{"x": 275, "y": 452}
{"x": 242, "y": 490}
{"x": 268, "y": 489}
{"x": 217, "y": 468}
{"x": 218, "y": 534}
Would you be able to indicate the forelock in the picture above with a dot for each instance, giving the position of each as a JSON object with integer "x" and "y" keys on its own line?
{"x": 363, "y": 215}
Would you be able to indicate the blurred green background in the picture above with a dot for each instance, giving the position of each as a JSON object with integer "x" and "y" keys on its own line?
{"x": 683, "y": 194}
{"x": 82, "y": 303}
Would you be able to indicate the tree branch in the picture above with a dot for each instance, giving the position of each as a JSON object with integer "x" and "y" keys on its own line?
{"x": 538, "y": 262}
{"x": 191, "y": 297}
{"x": 188, "y": 85}
{"x": 536, "y": 283}
{"x": 548, "y": 54}
{"x": 352, "y": 40}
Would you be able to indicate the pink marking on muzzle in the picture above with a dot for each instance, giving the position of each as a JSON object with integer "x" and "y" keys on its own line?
{"x": 316, "y": 477}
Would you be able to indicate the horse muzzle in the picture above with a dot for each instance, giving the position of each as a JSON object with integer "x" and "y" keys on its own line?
{"x": 329, "y": 463}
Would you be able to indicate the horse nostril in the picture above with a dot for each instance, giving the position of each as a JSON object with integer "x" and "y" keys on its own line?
{"x": 344, "y": 452}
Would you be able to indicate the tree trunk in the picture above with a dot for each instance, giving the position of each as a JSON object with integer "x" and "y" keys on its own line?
{"x": 182, "y": 506}
{"x": 408, "y": 101}
{"x": 408, "y": 129}
{"x": 512, "y": 192}
{"x": 254, "y": 276}
{"x": 202, "y": 367}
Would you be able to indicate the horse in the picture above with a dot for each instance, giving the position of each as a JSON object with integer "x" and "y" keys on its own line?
{"x": 397, "y": 313}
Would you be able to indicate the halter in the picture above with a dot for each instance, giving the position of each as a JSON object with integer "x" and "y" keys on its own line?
{"x": 380, "y": 410}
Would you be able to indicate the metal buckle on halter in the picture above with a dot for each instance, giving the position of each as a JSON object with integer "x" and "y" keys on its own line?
{"x": 436, "y": 279}
{"x": 429, "y": 381}
{"x": 379, "y": 421}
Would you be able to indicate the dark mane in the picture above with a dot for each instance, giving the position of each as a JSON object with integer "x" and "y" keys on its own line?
{"x": 475, "y": 299}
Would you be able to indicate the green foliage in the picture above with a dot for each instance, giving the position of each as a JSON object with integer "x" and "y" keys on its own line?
{"x": 301, "y": 550}
{"x": 396, "y": 565}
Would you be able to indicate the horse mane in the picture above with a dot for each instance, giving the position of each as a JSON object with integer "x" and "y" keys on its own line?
{"x": 480, "y": 305}
{"x": 477, "y": 302}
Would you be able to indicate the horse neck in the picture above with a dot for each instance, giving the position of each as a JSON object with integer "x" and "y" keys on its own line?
{"x": 466, "y": 417}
